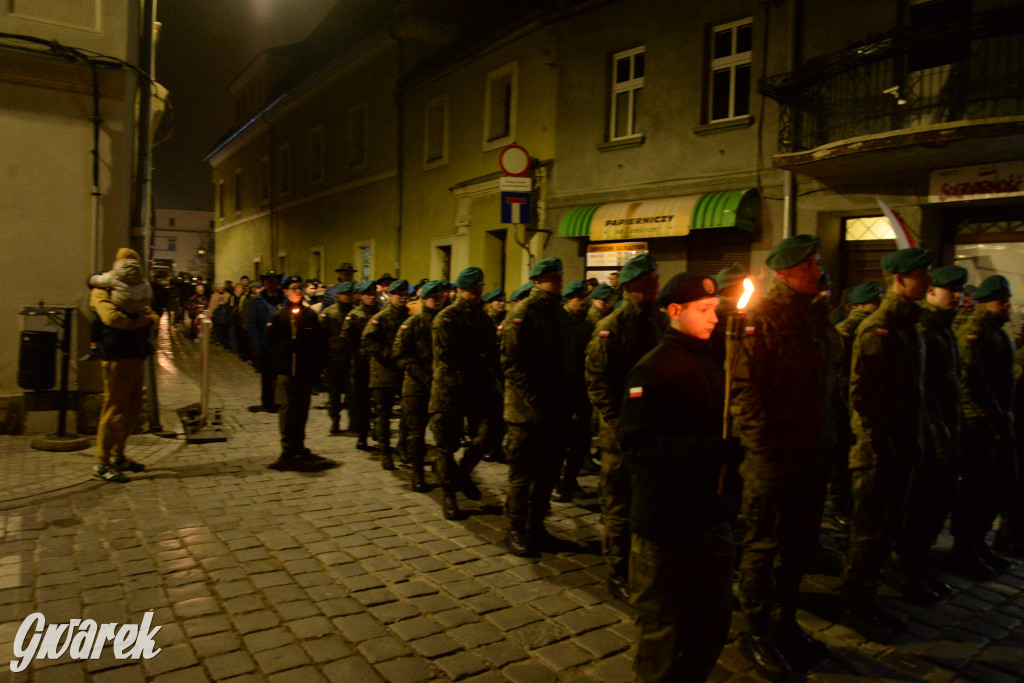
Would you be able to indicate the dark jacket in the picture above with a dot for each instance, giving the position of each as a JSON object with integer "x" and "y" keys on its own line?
{"x": 122, "y": 335}
{"x": 987, "y": 356}
{"x": 261, "y": 310}
{"x": 294, "y": 342}
{"x": 670, "y": 430}
{"x": 941, "y": 381}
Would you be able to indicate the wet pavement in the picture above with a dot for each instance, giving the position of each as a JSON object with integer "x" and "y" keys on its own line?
{"x": 347, "y": 575}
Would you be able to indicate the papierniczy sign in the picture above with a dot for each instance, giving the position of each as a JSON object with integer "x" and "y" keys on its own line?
{"x": 977, "y": 182}
{"x": 82, "y": 639}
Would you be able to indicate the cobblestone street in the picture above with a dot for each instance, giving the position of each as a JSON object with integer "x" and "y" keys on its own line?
{"x": 347, "y": 575}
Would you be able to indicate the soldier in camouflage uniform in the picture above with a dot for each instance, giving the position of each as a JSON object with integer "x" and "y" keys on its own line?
{"x": 966, "y": 308}
{"x": 933, "y": 483}
{"x": 783, "y": 407}
{"x": 578, "y": 441}
{"x": 540, "y": 384}
{"x": 338, "y": 363}
{"x": 494, "y": 304}
{"x": 1010, "y": 537}
{"x": 989, "y": 468}
{"x": 414, "y": 353}
{"x": 465, "y": 390}
{"x": 730, "y": 289}
{"x": 619, "y": 341}
{"x": 385, "y": 375}
{"x": 599, "y": 306}
{"x": 886, "y": 402}
{"x": 358, "y": 400}
{"x": 864, "y": 299}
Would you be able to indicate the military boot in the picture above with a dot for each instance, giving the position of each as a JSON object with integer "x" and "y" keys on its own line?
{"x": 761, "y": 650}
{"x": 387, "y": 460}
{"x": 449, "y": 506}
{"x": 863, "y": 616}
{"x": 518, "y": 541}
{"x": 335, "y": 428}
{"x": 419, "y": 479}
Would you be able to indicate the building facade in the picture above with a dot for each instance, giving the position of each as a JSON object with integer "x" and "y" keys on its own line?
{"x": 183, "y": 243}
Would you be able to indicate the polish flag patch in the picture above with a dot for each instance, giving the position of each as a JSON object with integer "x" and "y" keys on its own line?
{"x": 604, "y": 334}
{"x": 636, "y": 392}
{"x": 882, "y": 332}
{"x": 517, "y": 321}
{"x": 375, "y": 322}
{"x": 403, "y": 327}
{"x": 749, "y": 330}
{"x": 972, "y": 337}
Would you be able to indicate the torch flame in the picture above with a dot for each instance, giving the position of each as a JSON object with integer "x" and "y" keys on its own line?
{"x": 295, "y": 311}
{"x": 748, "y": 290}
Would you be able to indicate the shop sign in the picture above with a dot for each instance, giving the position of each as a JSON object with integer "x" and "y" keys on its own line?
{"x": 989, "y": 181}
{"x": 613, "y": 254}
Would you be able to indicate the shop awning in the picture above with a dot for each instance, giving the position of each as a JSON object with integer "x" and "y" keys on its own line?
{"x": 667, "y": 217}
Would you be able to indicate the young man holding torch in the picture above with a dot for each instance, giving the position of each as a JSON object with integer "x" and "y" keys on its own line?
{"x": 681, "y": 555}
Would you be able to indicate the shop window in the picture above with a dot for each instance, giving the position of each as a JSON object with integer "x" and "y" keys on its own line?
{"x": 731, "y": 47}
{"x": 626, "y": 93}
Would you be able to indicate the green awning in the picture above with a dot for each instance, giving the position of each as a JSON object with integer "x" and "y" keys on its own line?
{"x": 576, "y": 222}
{"x": 731, "y": 209}
{"x": 666, "y": 217}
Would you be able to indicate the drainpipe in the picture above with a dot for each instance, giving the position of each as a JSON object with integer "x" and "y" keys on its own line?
{"x": 789, "y": 178}
{"x": 97, "y": 122}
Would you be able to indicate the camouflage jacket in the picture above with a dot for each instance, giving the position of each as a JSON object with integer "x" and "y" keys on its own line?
{"x": 619, "y": 341}
{"x": 941, "y": 381}
{"x": 784, "y": 381}
{"x": 352, "y": 334}
{"x": 497, "y": 317}
{"x": 986, "y": 352}
{"x": 466, "y": 366}
{"x": 332, "y": 319}
{"x": 887, "y": 386}
{"x": 413, "y": 352}
{"x": 378, "y": 337}
{"x": 596, "y": 315}
{"x": 847, "y": 328}
{"x": 537, "y": 358}
{"x": 582, "y": 329}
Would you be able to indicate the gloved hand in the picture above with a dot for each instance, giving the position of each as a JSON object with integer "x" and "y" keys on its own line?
{"x": 730, "y": 452}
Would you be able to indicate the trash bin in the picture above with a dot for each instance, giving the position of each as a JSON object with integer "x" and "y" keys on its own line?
{"x": 37, "y": 360}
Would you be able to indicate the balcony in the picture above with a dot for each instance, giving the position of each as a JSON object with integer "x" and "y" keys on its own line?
{"x": 906, "y": 102}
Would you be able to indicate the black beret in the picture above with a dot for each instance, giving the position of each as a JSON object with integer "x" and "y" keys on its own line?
{"x": 291, "y": 280}
{"x": 686, "y": 287}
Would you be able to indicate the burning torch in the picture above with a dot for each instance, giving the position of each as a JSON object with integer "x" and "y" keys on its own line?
{"x": 295, "y": 333}
{"x": 734, "y": 325}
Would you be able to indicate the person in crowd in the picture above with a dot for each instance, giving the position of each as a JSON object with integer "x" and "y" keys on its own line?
{"x": 988, "y": 475}
{"x": 465, "y": 391}
{"x": 385, "y": 375}
{"x": 238, "y": 314}
{"x": 494, "y": 305}
{"x": 540, "y": 383}
{"x": 294, "y": 349}
{"x": 966, "y": 307}
{"x": 344, "y": 273}
{"x": 173, "y": 302}
{"x": 124, "y": 344}
{"x": 520, "y": 293}
{"x": 159, "y": 296}
{"x": 783, "y": 393}
{"x": 217, "y": 308}
{"x": 619, "y": 341}
{"x": 933, "y": 482}
{"x": 261, "y": 310}
{"x": 681, "y": 553}
{"x": 730, "y": 289}
{"x": 338, "y": 362}
{"x": 383, "y": 290}
{"x": 357, "y": 403}
{"x": 886, "y": 402}
{"x": 578, "y": 437}
{"x": 599, "y": 307}
{"x": 415, "y": 304}
{"x": 196, "y": 305}
{"x": 1009, "y": 538}
{"x": 413, "y": 352}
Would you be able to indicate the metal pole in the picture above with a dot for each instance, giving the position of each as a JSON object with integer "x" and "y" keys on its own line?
{"x": 65, "y": 358}
{"x": 204, "y": 367}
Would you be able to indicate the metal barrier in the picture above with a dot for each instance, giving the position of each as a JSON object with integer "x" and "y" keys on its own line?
{"x": 201, "y": 422}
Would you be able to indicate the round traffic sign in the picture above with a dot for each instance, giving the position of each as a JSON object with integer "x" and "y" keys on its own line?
{"x": 514, "y": 160}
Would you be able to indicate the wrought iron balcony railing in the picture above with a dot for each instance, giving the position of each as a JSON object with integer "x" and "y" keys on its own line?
{"x": 904, "y": 80}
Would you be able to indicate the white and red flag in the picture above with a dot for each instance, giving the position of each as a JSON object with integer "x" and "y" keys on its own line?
{"x": 904, "y": 240}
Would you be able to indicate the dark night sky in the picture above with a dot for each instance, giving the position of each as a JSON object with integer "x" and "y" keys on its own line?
{"x": 204, "y": 45}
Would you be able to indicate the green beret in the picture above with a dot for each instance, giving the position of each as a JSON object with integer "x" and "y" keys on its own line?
{"x": 730, "y": 275}
{"x": 602, "y": 293}
{"x": 551, "y": 264}
{"x": 865, "y": 292}
{"x": 399, "y": 287}
{"x": 365, "y": 287}
{"x": 907, "y": 260}
{"x": 637, "y": 267}
{"x": 686, "y": 287}
{"x": 792, "y": 251}
{"x": 344, "y": 288}
{"x": 496, "y": 293}
{"x": 469, "y": 277}
{"x": 522, "y": 292}
{"x": 433, "y": 287}
{"x": 574, "y": 289}
{"x": 950, "y": 277}
{"x": 991, "y": 288}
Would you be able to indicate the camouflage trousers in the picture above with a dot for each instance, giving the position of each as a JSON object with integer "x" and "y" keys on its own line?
{"x": 383, "y": 402}
{"x": 933, "y": 486}
{"x": 989, "y": 475}
{"x": 413, "y": 429}
{"x": 782, "y": 510}
{"x": 578, "y": 444}
{"x": 682, "y": 591}
{"x": 337, "y": 385}
{"x": 358, "y": 402}
{"x": 534, "y": 454}
{"x": 880, "y": 496}
{"x": 292, "y": 395}
{"x": 614, "y": 494}
{"x": 1011, "y": 519}
{"x": 484, "y": 425}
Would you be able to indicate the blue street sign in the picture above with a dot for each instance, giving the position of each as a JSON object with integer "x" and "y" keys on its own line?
{"x": 515, "y": 207}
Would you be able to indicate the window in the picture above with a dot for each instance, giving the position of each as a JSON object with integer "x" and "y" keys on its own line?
{"x": 357, "y": 134}
{"x": 729, "y": 96}
{"x": 316, "y": 154}
{"x": 264, "y": 180}
{"x": 364, "y": 260}
{"x": 238, "y": 190}
{"x": 220, "y": 199}
{"x": 172, "y": 244}
{"x": 500, "y": 106}
{"x": 868, "y": 228}
{"x": 435, "y": 135}
{"x": 284, "y": 168}
{"x": 627, "y": 91}
{"x": 170, "y": 221}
